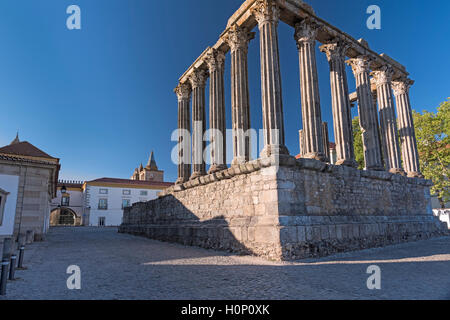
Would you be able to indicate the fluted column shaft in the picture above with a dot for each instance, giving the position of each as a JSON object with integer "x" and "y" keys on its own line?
{"x": 197, "y": 80}
{"x": 267, "y": 13}
{"x": 388, "y": 124}
{"x": 410, "y": 152}
{"x": 342, "y": 121}
{"x": 238, "y": 39}
{"x": 368, "y": 118}
{"x": 183, "y": 92}
{"x": 215, "y": 60}
{"x": 305, "y": 35}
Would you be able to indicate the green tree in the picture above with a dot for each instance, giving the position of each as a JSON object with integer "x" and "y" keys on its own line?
{"x": 433, "y": 142}
{"x": 357, "y": 143}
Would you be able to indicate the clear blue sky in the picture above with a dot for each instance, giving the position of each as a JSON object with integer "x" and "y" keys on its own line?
{"x": 101, "y": 98}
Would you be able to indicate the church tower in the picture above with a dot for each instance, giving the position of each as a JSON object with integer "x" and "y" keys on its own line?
{"x": 150, "y": 172}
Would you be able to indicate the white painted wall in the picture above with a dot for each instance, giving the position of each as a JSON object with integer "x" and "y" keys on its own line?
{"x": 75, "y": 202}
{"x": 113, "y": 215}
{"x": 9, "y": 184}
{"x": 443, "y": 215}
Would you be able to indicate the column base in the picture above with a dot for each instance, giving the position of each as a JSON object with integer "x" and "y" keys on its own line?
{"x": 315, "y": 155}
{"x": 274, "y": 149}
{"x": 376, "y": 168}
{"x": 238, "y": 160}
{"x": 197, "y": 174}
{"x": 181, "y": 180}
{"x": 217, "y": 167}
{"x": 399, "y": 171}
{"x": 414, "y": 175}
{"x": 347, "y": 162}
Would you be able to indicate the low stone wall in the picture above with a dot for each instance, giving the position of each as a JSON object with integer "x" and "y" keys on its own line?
{"x": 289, "y": 209}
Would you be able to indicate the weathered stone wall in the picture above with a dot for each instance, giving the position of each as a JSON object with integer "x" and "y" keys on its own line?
{"x": 33, "y": 200}
{"x": 299, "y": 209}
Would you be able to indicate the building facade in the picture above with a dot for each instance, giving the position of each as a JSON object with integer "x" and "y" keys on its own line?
{"x": 105, "y": 198}
{"x": 29, "y": 176}
{"x": 100, "y": 202}
{"x": 67, "y": 208}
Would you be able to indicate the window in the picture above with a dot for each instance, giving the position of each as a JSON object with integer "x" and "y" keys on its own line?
{"x": 65, "y": 201}
{"x": 144, "y": 193}
{"x": 126, "y": 192}
{"x": 101, "y": 221}
{"x": 102, "y": 204}
{"x": 103, "y": 191}
{"x": 126, "y": 203}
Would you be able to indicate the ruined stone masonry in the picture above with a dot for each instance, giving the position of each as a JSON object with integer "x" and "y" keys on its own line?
{"x": 276, "y": 206}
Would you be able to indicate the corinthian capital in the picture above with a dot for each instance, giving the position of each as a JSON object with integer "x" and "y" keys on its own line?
{"x": 183, "y": 91}
{"x": 335, "y": 50}
{"x": 215, "y": 59}
{"x": 266, "y": 11}
{"x": 306, "y": 31}
{"x": 238, "y": 38}
{"x": 383, "y": 75}
{"x": 360, "y": 64}
{"x": 402, "y": 85}
{"x": 198, "y": 78}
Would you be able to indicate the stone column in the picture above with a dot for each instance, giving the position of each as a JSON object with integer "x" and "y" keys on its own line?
{"x": 410, "y": 153}
{"x": 267, "y": 13}
{"x": 305, "y": 36}
{"x": 326, "y": 141}
{"x": 368, "y": 119}
{"x": 216, "y": 60}
{"x": 198, "y": 80}
{"x": 342, "y": 119}
{"x": 183, "y": 91}
{"x": 238, "y": 38}
{"x": 302, "y": 148}
{"x": 388, "y": 125}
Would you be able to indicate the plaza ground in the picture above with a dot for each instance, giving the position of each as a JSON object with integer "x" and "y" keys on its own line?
{"x": 121, "y": 266}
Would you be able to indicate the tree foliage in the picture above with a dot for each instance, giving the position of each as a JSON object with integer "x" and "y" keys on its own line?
{"x": 358, "y": 143}
{"x": 433, "y": 142}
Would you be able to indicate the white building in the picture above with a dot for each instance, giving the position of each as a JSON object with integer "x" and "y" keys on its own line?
{"x": 105, "y": 198}
{"x": 443, "y": 215}
{"x": 67, "y": 208}
{"x": 9, "y": 188}
{"x": 101, "y": 202}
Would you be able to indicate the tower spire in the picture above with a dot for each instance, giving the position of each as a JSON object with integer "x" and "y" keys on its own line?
{"x": 16, "y": 140}
{"x": 152, "y": 162}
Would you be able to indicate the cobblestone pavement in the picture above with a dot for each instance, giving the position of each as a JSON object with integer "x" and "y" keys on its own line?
{"x": 121, "y": 266}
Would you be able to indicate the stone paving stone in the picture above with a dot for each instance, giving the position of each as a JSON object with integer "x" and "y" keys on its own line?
{"x": 121, "y": 266}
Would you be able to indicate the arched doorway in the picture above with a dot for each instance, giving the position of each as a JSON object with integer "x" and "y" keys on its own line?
{"x": 63, "y": 217}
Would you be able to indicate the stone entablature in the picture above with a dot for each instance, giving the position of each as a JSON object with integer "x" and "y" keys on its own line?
{"x": 292, "y": 11}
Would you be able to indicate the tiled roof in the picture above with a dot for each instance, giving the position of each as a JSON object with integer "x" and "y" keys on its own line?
{"x": 19, "y": 158}
{"x": 24, "y": 149}
{"x": 70, "y": 184}
{"x": 135, "y": 182}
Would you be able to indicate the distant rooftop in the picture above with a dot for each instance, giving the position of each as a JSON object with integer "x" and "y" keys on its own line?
{"x": 132, "y": 182}
{"x": 24, "y": 148}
